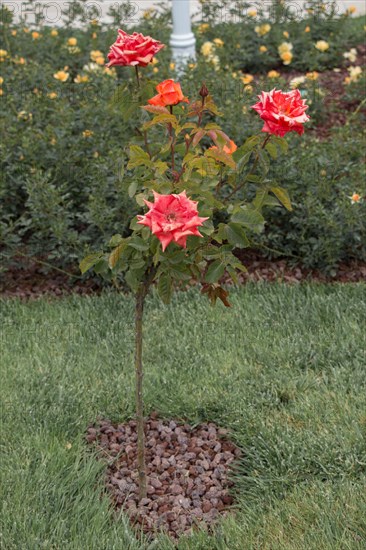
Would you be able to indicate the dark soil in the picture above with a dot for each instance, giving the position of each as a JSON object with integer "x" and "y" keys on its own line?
{"x": 187, "y": 471}
{"x": 30, "y": 281}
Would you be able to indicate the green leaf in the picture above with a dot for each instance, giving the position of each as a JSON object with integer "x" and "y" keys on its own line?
{"x": 249, "y": 217}
{"x": 260, "y": 197}
{"x": 165, "y": 287}
{"x": 282, "y": 196}
{"x": 132, "y": 280}
{"x": 220, "y": 156}
{"x": 138, "y": 243}
{"x": 236, "y": 235}
{"x": 233, "y": 274}
{"x": 116, "y": 254}
{"x": 115, "y": 240}
{"x": 272, "y": 150}
{"x": 89, "y": 261}
{"x": 215, "y": 271}
{"x": 138, "y": 157}
{"x": 132, "y": 188}
{"x": 161, "y": 119}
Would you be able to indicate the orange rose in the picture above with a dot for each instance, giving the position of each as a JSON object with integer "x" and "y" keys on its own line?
{"x": 228, "y": 149}
{"x": 169, "y": 93}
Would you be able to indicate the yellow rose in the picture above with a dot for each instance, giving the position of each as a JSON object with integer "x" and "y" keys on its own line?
{"x": 172, "y": 66}
{"x": 203, "y": 27}
{"x": 218, "y": 42}
{"x": 286, "y": 34}
{"x": 286, "y": 58}
{"x": 312, "y": 76}
{"x": 61, "y": 75}
{"x": 207, "y": 48}
{"x": 35, "y": 35}
{"x": 273, "y": 74}
{"x": 52, "y": 95}
{"x": 263, "y": 49}
{"x": 54, "y": 33}
{"x": 252, "y": 12}
{"x": 285, "y": 47}
{"x": 247, "y": 78}
{"x": 88, "y": 133}
{"x": 261, "y": 30}
{"x": 307, "y": 29}
{"x": 1, "y": 80}
{"x": 322, "y": 45}
{"x": 94, "y": 54}
{"x": 72, "y": 42}
{"x": 81, "y": 79}
{"x": 13, "y": 33}
{"x": 351, "y": 9}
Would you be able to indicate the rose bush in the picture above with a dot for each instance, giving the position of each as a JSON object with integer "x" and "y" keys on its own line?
{"x": 220, "y": 189}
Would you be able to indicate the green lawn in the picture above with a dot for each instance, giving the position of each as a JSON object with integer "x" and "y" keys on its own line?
{"x": 284, "y": 369}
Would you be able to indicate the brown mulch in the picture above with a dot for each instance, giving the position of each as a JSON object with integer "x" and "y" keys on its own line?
{"x": 30, "y": 281}
{"x": 187, "y": 472}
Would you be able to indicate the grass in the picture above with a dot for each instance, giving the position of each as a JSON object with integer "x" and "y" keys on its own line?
{"x": 284, "y": 369}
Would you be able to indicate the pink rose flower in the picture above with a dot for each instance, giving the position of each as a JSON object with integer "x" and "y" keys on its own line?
{"x": 133, "y": 49}
{"x": 282, "y": 112}
{"x": 172, "y": 218}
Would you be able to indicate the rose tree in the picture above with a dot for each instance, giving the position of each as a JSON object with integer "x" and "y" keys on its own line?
{"x": 200, "y": 195}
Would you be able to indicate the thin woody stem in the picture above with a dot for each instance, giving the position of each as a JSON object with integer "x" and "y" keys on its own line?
{"x": 172, "y": 147}
{"x": 137, "y": 76}
{"x": 140, "y": 297}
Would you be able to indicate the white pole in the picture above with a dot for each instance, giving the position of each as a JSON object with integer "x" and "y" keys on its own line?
{"x": 182, "y": 41}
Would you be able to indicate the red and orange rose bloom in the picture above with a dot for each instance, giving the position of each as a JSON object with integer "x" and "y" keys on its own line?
{"x": 169, "y": 93}
{"x": 172, "y": 218}
{"x": 133, "y": 50}
{"x": 282, "y": 112}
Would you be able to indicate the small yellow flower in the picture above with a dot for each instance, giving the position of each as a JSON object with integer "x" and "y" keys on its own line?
{"x": 286, "y": 34}
{"x": 110, "y": 71}
{"x": 261, "y": 30}
{"x": 273, "y": 74}
{"x": 322, "y": 45}
{"x": 13, "y": 33}
{"x": 61, "y": 75}
{"x": 351, "y": 9}
{"x": 3, "y": 55}
{"x": 244, "y": 109}
{"x": 307, "y": 29}
{"x": 203, "y": 27}
{"x": 192, "y": 65}
{"x": 19, "y": 60}
{"x": 1, "y": 80}
{"x": 88, "y": 133}
{"x": 347, "y": 80}
{"x": 351, "y": 55}
{"x": 94, "y": 35}
{"x": 100, "y": 61}
{"x": 94, "y": 54}
{"x": 54, "y": 32}
{"x": 252, "y": 12}
{"x": 81, "y": 79}
{"x": 312, "y": 76}
{"x": 36, "y": 91}
{"x": 52, "y": 95}
{"x": 296, "y": 82}
{"x": 148, "y": 13}
{"x": 323, "y": 173}
{"x": 68, "y": 446}
{"x": 95, "y": 154}
{"x": 285, "y": 47}
{"x": 248, "y": 89}
{"x": 247, "y": 78}
{"x": 154, "y": 61}
{"x": 23, "y": 115}
{"x": 354, "y": 74}
{"x": 26, "y": 30}
{"x": 218, "y": 42}
{"x": 234, "y": 75}
{"x": 155, "y": 70}
{"x": 1, "y": 92}
{"x": 286, "y": 58}
{"x": 94, "y": 22}
{"x": 172, "y": 66}
{"x": 263, "y": 49}
{"x": 72, "y": 41}
{"x": 207, "y": 48}
{"x": 35, "y": 35}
